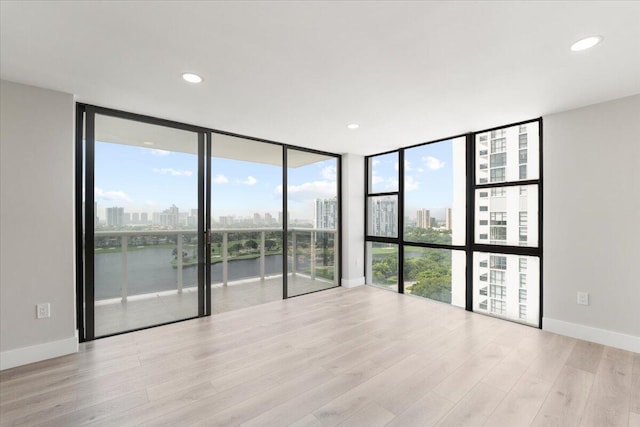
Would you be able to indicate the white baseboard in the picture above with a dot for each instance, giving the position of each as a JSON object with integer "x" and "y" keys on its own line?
{"x": 36, "y": 353}
{"x": 352, "y": 283}
{"x": 589, "y": 333}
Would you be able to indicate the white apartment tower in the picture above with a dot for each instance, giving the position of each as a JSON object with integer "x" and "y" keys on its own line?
{"x": 383, "y": 220}
{"x": 423, "y": 218}
{"x": 326, "y": 213}
{"x": 115, "y": 216}
{"x": 507, "y": 285}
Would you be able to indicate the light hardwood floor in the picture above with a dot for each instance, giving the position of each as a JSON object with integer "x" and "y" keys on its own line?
{"x": 360, "y": 357}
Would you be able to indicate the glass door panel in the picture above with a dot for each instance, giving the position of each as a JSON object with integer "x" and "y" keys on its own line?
{"x": 247, "y": 223}
{"x": 313, "y": 221}
{"x": 146, "y": 236}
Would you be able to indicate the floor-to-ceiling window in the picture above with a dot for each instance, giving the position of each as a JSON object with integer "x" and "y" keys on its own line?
{"x": 313, "y": 221}
{"x": 178, "y": 221}
{"x": 458, "y": 221}
{"x": 246, "y": 222}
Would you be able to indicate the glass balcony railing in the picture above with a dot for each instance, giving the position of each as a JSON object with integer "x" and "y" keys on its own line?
{"x": 133, "y": 263}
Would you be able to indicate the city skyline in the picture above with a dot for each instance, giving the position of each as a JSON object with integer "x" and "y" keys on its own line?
{"x": 147, "y": 180}
{"x": 429, "y": 177}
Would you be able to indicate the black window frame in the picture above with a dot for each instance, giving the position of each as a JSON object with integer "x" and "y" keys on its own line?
{"x": 84, "y": 269}
{"x": 472, "y": 185}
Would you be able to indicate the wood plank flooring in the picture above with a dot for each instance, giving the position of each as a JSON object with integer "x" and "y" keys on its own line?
{"x": 360, "y": 357}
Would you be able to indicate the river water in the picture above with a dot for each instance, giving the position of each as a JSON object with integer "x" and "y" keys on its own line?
{"x": 149, "y": 270}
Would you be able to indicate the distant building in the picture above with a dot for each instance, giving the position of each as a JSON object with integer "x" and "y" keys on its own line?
{"x": 447, "y": 219}
{"x": 423, "y": 218}
{"x": 115, "y": 216}
{"x": 144, "y": 218}
{"x": 326, "y": 213}
{"x": 268, "y": 218}
{"x": 168, "y": 218}
{"x": 135, "y": 218}
{"x": 280, "y": 219}
{"x": 384, "y": 217}
{"x": 226, "y": 221}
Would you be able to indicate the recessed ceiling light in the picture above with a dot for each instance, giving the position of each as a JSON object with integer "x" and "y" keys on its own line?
{"x": 353, "y": 126}
{"x": 586, "y": 43}
{"x": 191, "y": 78}
{"x": 148, "y": 143}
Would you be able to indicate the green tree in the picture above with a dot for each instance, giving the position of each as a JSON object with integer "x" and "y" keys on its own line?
{"x": 251, "y": 244}
{"x": 385, "y": 270}
{"x": 431, "y": 273}
{"x": 270, "y": 244}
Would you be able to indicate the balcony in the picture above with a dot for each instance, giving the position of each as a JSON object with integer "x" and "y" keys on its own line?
{"x": 141, "y": 280}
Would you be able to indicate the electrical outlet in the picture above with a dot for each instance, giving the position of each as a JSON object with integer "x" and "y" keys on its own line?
{"x": 43, "y": 310}
{"x": 583, "y": 298}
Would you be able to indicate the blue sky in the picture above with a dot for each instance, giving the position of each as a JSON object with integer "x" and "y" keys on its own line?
{"x": 149, "y": 180}
{"x": 428, "y": 177}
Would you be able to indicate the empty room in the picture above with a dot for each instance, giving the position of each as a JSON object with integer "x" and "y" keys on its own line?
{"x": 319, "y": 213}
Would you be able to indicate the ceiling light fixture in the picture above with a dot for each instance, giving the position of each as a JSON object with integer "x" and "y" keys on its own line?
{"x": 148, "y": 143}
{"x": 353, "y": 126}
{"x": 191, "y": 78}
{"x": 586, "y": 43}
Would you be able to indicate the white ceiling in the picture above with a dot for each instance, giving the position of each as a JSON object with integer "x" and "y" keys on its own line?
{"x": 299, "y": 72}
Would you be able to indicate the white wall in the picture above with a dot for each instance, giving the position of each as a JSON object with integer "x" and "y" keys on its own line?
{"x": 352, "y": 220}
{"x": 592, "y": 222}
{"x": 36, "y": 224}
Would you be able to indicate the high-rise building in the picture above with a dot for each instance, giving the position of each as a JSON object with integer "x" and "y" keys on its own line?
{"x": 384, "y": 217}
{"x": 115, "y": 216}
{"x": 423, "y": 218}
{"x": 503, "y": 213}
{"x": 280, "y": 219}
{"x": 226, "y": 221}
{"x": 447, "y": 219}
{"x": 135, "y": 218}
{"x": 126, "y": 218}
{"x": 170, "y": 217}
{"x": 507, "y": 286}
{"x": 257, "y": 219}
{"x": 268, "y": 218}
{"x": 144, "y": 218}
{"x": 326, "y": 213}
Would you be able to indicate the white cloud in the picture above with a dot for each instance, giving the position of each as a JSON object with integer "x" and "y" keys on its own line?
{"x": 250, "y": 180}
{"x": 220, "y": 179}
{"x": 420, "y": 170}
{"x": 410, "y": 184}
{"x": 172, "y": 172}
{"x": 375, "y": 162}
{"x": 433, "y": 163}
{"x": 158, "y": 152}
{"x": 112, "y": 196}
{"x": 376, "y": 179}
{"x": 329, "y": 173}
{"x": 150, "y": 203}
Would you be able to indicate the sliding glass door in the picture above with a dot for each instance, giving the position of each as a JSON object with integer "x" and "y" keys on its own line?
{"x": 312, "y": 222}
{"x": 246, "y": 223}
{"x": 144, "y": 232}
{"x": 177, "y": 222}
